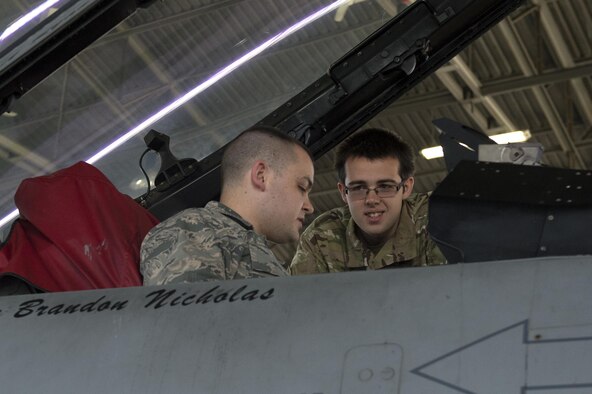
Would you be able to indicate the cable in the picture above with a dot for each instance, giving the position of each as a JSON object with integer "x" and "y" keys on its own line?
{"x": 455, "y": 248}
{"x": 144, "y": 171}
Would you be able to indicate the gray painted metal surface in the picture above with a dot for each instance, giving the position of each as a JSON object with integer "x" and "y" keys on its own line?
{"x": 499, "y": 327}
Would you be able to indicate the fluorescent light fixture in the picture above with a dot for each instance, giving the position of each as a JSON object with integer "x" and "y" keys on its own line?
{"x": 432, "y": 153}
{"x": 511, "y": 137}
{"x": 22, "y": 21}
{"x": 435, "y": 152}
{"x": 10, "y": 114}
{"x": 187, "y": 96}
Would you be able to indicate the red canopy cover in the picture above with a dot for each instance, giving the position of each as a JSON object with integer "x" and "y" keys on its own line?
{"x": 75, "y": 232}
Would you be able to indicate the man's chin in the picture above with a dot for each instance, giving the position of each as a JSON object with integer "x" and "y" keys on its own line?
{"x": 373, "y": 231}
{"x": 375, "y": 234}
{"x": 285, "y": 240}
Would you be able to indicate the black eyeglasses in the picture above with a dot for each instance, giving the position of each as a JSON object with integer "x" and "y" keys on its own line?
{"x": 384, "y": 190}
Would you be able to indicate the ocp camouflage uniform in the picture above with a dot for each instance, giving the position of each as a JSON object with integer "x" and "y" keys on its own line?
{"x": 201, "y": 244}
{"x": 330, "y": 244}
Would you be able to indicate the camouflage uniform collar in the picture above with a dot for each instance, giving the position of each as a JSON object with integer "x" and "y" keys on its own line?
{"x": 229, "y": 213}
{"x": 400, "y": 248}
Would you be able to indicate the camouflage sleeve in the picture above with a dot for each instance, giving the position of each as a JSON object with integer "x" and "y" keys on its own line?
{"x": 182, "y": 251}
{"x": 183, "y": 259}
{"x": 308, "y": 258}
{"x": 433, "y": 255}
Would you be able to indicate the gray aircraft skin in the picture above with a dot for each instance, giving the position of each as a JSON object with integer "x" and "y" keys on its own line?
{"x": 520, "y": 326}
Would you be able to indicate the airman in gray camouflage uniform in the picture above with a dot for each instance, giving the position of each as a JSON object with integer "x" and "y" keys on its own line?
{"x": 207, "y": 244}
{"x": 384, "y": 224}
{"x": 266, "y": 179}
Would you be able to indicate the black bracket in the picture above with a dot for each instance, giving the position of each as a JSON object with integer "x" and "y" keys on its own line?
{"x": 172, "y": 170}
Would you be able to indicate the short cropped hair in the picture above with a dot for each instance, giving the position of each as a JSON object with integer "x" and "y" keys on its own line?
{"x": 374, "y": 144}
{"x": 265, "y": 143}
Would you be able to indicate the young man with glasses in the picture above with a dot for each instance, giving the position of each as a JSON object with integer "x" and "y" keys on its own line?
{"x": 383, "y": 224}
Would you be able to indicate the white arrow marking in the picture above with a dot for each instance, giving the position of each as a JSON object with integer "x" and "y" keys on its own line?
{"x": 506, "y": 361}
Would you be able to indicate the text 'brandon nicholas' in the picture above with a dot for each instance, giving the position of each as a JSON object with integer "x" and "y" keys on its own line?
{"x": 156, "y": 299}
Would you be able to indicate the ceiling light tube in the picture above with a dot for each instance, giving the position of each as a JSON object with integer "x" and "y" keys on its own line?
{"x": 22, "y": 21}
{"x": 432, "y": 152}
{"x": 511, "y": 137}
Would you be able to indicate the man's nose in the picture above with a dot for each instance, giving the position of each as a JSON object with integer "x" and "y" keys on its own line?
{"x": 372, "y": 197}
{"x": 307, "y": 206}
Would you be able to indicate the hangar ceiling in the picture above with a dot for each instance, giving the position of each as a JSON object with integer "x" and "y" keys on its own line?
{"x": 532, "y": 71}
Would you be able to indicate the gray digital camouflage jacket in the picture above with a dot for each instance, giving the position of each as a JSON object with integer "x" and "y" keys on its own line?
{"x": 201, "y": 244}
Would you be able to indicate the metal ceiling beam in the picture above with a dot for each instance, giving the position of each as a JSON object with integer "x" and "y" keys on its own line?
{"x": 489, "y": 102}
{"x": 561, "y": 49}
{"x": 541, "y": 95}
{"x": 119, "y": 110}
{"x": 153, "y": 65}
{"x": 457, "y": 92}
{"x": 420, "y": 103}
{"x": 20, "y": 153}
{"x": 425, "y": 101}
{"x": 515, "y": 84}
{"x": 102, "y": 91}
{"x": 387, "y": 5}
{"x": 166, "y": 21}
{"x": 474, "y": 84}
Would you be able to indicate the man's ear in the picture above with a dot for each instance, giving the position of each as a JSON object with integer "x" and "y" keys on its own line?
{"x": 408, "y": 187}
{"x": 341, "y": 188}
{"x": 259, "y": 174}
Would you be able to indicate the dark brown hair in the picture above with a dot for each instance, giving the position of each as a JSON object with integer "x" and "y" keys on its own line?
{"x": 375, "y": 144}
